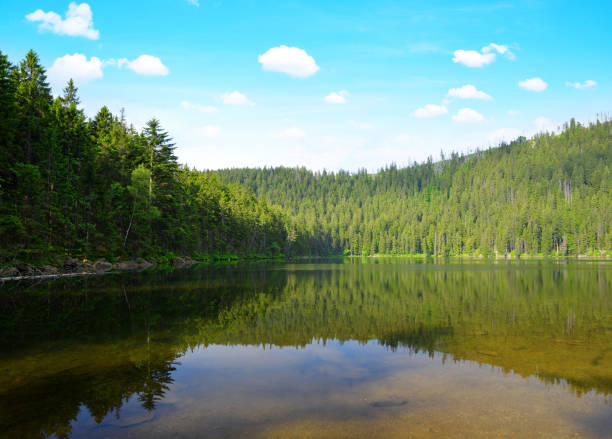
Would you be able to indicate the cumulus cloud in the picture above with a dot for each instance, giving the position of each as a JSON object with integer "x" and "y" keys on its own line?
{"x": 430, "y": 110}
{"x": 290, "y": 133}
{"x": 468, "y": 92}
{"x": 207, "y": 131}
{"x": 194, "y": 2}
{"x": 471, "y": 58}
{"x": 337, "y": 98}
{"x": 582, "y": 85}
{"x": 78, "y": 21}
{"x": 236, "y": 98}
{"x": 196, "y": 107}
{"x": 499, "y": 48}
{"x": 145, "y": 65}
{"x": 77, "y": 67}
{"x": 290, "y": 60}
{"x": 544, "y": 124}
{"x": 467, "y": 115}
{"x": 533, "y": 84}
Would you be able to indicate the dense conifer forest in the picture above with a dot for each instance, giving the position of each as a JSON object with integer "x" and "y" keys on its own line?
{"x": 547, "y": 195}
{"x": 71, "y": 185}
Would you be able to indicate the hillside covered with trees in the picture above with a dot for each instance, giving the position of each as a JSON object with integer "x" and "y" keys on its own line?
{"x": 547, "y": 195}
{"x": 71, "y": 185}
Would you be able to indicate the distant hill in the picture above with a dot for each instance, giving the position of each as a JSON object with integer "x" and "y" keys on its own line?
{"x": 547, "y": 195}
{"x": 71, "y": 185}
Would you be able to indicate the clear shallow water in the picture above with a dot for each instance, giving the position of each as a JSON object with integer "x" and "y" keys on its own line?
{"x": 377, "y": 348}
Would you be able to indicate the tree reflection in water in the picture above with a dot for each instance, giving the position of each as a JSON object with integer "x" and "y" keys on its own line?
{"x": 94, "y": 343}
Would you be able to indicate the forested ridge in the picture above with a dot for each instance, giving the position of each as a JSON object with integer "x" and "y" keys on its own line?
{"x": 71, "y": 185}
{"x": 547, "y": 195}
{"x": 97, "y": 187}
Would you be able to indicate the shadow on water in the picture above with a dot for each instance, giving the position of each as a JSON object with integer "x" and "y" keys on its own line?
{"x": 96, "y": 343}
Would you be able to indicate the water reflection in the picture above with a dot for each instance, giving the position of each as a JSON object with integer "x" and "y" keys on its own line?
{"x": 298, "y": 349}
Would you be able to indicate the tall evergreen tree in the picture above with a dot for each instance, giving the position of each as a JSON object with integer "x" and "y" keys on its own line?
{"x": 98, "y": 187}
{"x": 11, "y": 228}
{"x": 33, "y": 97}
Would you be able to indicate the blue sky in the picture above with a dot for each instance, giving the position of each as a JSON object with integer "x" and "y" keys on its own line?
{"x": 325, "y": 84}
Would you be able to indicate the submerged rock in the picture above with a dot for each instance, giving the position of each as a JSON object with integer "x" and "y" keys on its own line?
{"x": 102, "y": 265}
{"x": 138, "y": 264}
{"x": 178, "y": 262}
{"x": 143, "y": 263}
{"x": 182, "y": 262}
{"x": 70, "y": 264}
{"x": 49, "y": 269}
{"x": 388, "y": 403}
{"x": 125, "y": 265}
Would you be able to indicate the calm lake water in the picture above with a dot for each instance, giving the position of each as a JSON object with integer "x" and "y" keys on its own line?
{"x": 339, "y": 349}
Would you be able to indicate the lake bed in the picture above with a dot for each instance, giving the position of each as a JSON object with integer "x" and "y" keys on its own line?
{"x": 344, "y": 348}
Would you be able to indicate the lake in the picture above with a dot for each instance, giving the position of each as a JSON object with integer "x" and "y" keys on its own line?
{"x": 345, "y": 348}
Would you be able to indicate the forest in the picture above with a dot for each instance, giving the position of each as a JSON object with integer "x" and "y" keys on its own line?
{"x": 548, "y": 195}
{"x": 99, "y": 187}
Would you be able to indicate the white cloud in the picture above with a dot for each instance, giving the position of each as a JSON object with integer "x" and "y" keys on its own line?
{"x": 196, "y": 107}
{"x": 208, "y": 132}
{"x": 513, "y": 113}
{"x": 471, "y": 58}
{"x": 499, "y": 48}
{"x": 76, "y": 67}
{"x": 194, "y": 2}
{"x": 468, "y": 115}
{"x": 581, "y": 86}
{"x": 544, "y": 124}
{"x": 468, "y": 92}
{"x": 504, "y": 135}
{"x": 145, "y": 65}
{"x": 236, "y": 98}
{"x": 290, "y": 60}
{"x": 446, "y": 101}
{"x": 290, "y": 133}
{"x": 533, "y": 84}
{"x": 337, "y": 98}
{"x": 360, "y": 125}
{"x": 78, "y": 21}
{"x": 430, "y": 110}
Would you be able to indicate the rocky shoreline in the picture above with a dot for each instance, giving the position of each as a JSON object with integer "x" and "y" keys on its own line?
{"x": 75, "y": 267}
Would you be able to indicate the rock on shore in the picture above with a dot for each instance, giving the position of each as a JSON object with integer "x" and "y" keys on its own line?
{"x": 73, "y": 266}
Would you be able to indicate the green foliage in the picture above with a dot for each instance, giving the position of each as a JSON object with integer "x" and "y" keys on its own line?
{"x": 98, "y": 187}
{"x": 69, "y": 185}
{"x": 549, "y": 195}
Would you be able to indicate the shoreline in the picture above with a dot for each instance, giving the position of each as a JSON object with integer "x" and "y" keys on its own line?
{"x": 508, "y": 257}
{"x": 75, "y": 268}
